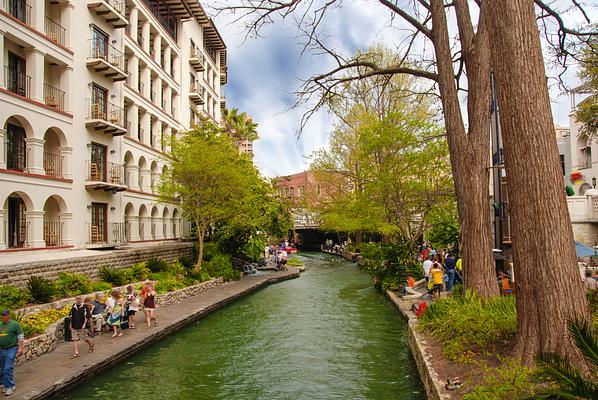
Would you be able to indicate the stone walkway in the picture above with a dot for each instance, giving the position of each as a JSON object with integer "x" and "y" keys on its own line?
{"x": 55, "y": 372}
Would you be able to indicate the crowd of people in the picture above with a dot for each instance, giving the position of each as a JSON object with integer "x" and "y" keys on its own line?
{"x": 278, "y": 254}
{"x": 338, "y": 248}
{"x": 442, "y": 270}
{"x": 88, "y": 317}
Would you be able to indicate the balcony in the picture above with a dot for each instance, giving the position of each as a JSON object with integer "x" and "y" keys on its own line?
{"x": 196, "y": 58}
{"x": 106, "y": 117}
{"x": 53, "y": 164}
{"x": 17, "y": 82}
{"x": 53, "y": 233}
{"x": 105, "y": 235}
{"x": 17, "y": 9}
{"x": 113, "y": 11}
{"x": 106, "y": 59}
{"x": 108, "y": 177}
{"x": 55, "y": 31}
{"x": 224, "y": 76}
{"x": 53, "y": 97}
{"x": 222, "y": 101}
{"x": 196, "y": 94}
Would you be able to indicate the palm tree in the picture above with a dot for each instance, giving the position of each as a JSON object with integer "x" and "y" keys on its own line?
{"x": 568, "y": 382}
{"x": 238, "y": 125}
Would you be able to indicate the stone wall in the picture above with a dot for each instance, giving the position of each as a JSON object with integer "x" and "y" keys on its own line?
{"x": 42, "y": 344}
{"x": 17, "y": 274}
{"x": 166, "y": 299}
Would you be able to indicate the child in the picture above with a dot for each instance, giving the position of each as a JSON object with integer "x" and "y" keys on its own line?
{"x": 115, "y": 313}
{"x": 437, "y": 277}
{"x": 79, "y": 316}
{"x": 132, "y": 305}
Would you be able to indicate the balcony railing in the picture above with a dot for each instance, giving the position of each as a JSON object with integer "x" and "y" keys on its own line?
{"x": 53, "y": 164}
{"x": 53, "y": 97}
{"x": 55, "y": 31}
{"x": 18, "y": 9}
{"x": 17, "y": 82}
{"x": 113, "y": 233}
{"x": 118, "y": 5}
{"x": 108, "y": 173}
{"x": 15, "y": 154}
{"x": 16, "y": 234}
{"x": 106, "y": 111}
{"x": 100, "y": 48}
{"x": 53, "y": 233}
{"x": 167, "y": 24}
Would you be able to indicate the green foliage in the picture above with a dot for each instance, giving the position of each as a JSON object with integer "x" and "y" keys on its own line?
{"x": 186, "y": 262}
{"x": 467, "y": 323}
{"x": 156, "y": 265}
{"x": 40, "y": 289}
{"x": 391, "y": 264}
{"x": 113, "y": 276}
{"x": 239, "y": 126}
{"x": 168, "y": 283}
{"x": 221, "y": 266}
{"x": 138, "y": 272}
{"x": 443, "y": 232}
{"x": 100, "y": 286}
{"x": 295, "y": 262}
{"x": 566, "y": 381}
{"x": 587, "y": 110}
{"x": 253, "y": 250}
{"x": 12, "y": 298}
{"x": 69, "y": 284}
{"x": 593, "y": 300}
{"x": 37, "y": 323}
{"x": 510, "y": 380}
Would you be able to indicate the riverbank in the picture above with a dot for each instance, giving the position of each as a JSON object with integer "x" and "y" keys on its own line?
{"x": 55, "y": 372}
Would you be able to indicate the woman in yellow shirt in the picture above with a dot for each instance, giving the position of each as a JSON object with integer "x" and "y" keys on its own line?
{"x": 437, "y": 276}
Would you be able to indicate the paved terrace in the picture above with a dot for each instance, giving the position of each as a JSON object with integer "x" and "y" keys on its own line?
{"x": 55, "y": 372}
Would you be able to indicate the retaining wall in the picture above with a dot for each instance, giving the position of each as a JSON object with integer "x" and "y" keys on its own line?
{"x": 17, "y": 274}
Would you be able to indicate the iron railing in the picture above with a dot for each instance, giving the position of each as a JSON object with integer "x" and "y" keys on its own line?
{"x": 17, "y": 82}
{"x": 53, "y": 233}
{"x": 15, "y": 154}
{"x": 112, "y": 233}
{"x": 18, "y": 238}
{"x": 53, "y": 164}
{"x": 55, "y": 31}
{"x": 195, "y": 52}
{"x": 167, "y": 24}
{"x": 105, "y": 172}
{"x": 106, "y": 111}
{"x": 18, "y": 9}
{"x": 53, "y": 97}
{"x": 100, "y": 48}
{"x": 118, "y": 5}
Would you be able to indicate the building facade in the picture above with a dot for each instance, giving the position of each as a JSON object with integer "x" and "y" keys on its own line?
{"x": 92, "y": 92}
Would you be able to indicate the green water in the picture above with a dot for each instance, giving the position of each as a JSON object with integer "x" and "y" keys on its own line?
{"x": 326, "y": 335}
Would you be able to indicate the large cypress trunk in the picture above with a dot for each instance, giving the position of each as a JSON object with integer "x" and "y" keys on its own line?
{"x": 549, "y": 288}
{"x": 469, "y": 153}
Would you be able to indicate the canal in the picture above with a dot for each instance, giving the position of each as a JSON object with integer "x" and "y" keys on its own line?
{"x": 326, "y": 335}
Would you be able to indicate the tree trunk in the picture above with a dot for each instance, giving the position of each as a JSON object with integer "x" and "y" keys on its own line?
{"x": 469, "y": 154}
{"x": 549, "y": 288}
{"x": 358, "y": 235}
{"x": 200, "y": 238}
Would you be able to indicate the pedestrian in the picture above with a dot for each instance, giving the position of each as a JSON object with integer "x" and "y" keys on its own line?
{"x": 11, "y": 347}
{"x": 149, "y": 305}
{"x": 427, "y": 267}
{"x": 459, "y": 271}
{"x": 590, "y": 282}
{"x": 97, "y": 314}
{"x": 437, "y": 277}
{"x": 132, "y": 305}
{"x": 89, "y": 324}
{"x": 115, "y": 313}
{"x": 449, "y": 266}
{"x": 79, "y": 315}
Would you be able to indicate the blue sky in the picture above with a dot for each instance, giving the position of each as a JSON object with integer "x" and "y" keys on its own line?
{"x": 264, "y": 73}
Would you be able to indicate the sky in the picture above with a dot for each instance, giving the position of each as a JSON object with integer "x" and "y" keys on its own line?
{"x": 265, "y": 72}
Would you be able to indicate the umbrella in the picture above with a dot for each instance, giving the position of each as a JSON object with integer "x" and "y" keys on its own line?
{"x": 583, "y": 251}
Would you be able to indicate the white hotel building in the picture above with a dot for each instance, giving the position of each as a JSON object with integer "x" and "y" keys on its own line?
{"x": 90, "y": 93}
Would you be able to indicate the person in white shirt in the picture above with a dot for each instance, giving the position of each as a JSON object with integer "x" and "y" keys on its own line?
{"x": 427, "y": 267}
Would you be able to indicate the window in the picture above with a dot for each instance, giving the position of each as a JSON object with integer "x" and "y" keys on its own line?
{"x": 17, "y": 232}
{"x": 99, "y": 102}
{"x": 15, "y": 147}
{"x": 98, "y": 222}
{"x": 563, "y": 163}
{"x": 18, "y": 9}
{"x": 98, "y": 165}
{"x": 16, "y": 80}
{"x": 99, "y": 43}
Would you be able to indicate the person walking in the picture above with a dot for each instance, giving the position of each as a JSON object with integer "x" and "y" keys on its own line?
{"x": 79, "y": 316}
{"x": 132, "y": 305}
{"x": 149, "y": 305}
{"x": 449, "y": 266}
{"x": 427, "y": 267}
{"x": 437, "y": 277}
{"x": 11, "y": 347}
{"x": 115, "y": 312}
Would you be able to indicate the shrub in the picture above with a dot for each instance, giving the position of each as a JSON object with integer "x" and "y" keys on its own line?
{"x": 40, "y": 289}
{"x": 156, "y": 265}
{"x": 139, "y": 272}
{"x": 221, "y": 266}
{"x": 295, "y": 262}
{"x": 37, "y": 323}
{"x": 391, "y": 263}
{"x": 187, "y": 263}
{"x": 12, "y": 297}
{"x": 511, "y": 380}
{"x": 100, "y": 286}
{"x": 69, "y": 284}
{"x": 168, "y": 284}
{"x": 253, "y": 250}
{"x": 469, "y": 322}
{"x": 113, "y": 276}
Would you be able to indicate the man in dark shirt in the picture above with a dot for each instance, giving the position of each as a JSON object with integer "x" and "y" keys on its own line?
{"x": 79, "y": 316}
{"x": 449, "y": 266}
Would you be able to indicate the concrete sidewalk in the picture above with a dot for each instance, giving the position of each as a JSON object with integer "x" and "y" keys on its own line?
{"x": 55, "y": 372}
